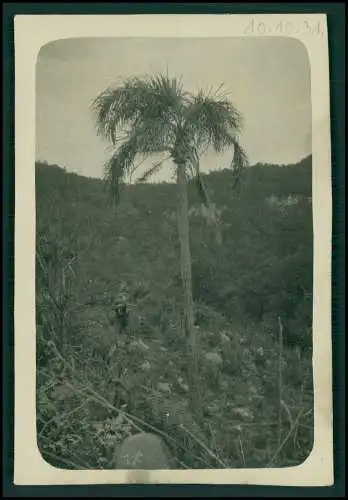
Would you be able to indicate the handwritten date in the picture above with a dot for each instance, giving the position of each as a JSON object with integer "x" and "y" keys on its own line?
{"x": 284, "y": 28}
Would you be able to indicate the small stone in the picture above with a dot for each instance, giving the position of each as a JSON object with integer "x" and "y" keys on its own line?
{"x": 146, "y": 366}
{"x": 244, "y": 413}
{"x": 182, "y": 384}
{"x": 214, "y": 358}
{"x": 140, "y": 344}
{"x": 212, "y": 408}
{"x": 164, "y": 387}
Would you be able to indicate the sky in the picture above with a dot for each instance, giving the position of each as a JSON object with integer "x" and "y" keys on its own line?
{"x": 268, "y": 80}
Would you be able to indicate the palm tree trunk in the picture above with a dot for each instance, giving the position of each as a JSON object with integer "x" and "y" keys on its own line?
{"x": 186, "y": 278}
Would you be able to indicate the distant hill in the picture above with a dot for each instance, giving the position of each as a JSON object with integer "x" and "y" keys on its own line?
{"x": 262, "y": 272}
{"x": 265, "y": 235}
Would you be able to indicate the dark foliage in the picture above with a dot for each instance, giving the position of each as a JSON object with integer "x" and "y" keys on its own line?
{"x": 98, "y": 383}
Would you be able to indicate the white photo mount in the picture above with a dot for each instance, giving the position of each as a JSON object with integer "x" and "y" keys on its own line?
{"x": 32, "y": 32}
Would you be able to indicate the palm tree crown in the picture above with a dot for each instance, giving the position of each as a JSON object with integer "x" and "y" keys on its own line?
{"x": 153, "y": 114}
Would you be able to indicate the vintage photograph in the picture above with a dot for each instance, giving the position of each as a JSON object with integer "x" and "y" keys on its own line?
{"x": 174, "y": 253}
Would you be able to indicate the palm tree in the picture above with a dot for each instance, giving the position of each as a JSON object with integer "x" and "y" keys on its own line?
{"x": 152, "y": 115}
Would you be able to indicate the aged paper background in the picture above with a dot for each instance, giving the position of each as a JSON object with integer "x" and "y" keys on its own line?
{"x": 31, "y": 33}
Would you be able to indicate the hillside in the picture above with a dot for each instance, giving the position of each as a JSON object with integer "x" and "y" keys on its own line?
{"x": 262, "y": 271}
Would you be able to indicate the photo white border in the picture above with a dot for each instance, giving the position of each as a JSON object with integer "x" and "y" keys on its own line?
{"x": 31, "y": 33}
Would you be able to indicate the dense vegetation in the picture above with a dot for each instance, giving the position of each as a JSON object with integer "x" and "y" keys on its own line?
{"x": 253, "y": 305}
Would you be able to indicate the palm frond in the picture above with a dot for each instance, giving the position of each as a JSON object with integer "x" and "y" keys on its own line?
{"x": 116, "y": 169}
{"x": 205, "y": 199}
{"x": 153, "y": 136}
{"x": 136, "y": 102}
{"x": 168, "y": 91}
{"x": 115, "y": 108}
{"x": 203, "y": 194}
{"x": 156, "y": 167}
{"x": 135, "y": 166}
{"x": 219, "y": 93}
{"x": 142, "y": 142}
{"x": 213, "y": 121}
{"x": 239, "y": 163}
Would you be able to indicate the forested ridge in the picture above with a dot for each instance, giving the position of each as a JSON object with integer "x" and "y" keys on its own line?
{"x": 253, "y": 308}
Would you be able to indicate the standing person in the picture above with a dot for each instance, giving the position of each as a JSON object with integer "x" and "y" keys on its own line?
{"x": 122, "y": 308}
